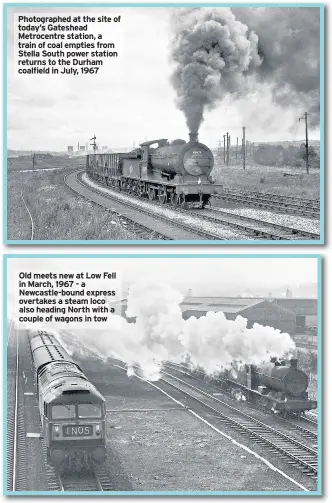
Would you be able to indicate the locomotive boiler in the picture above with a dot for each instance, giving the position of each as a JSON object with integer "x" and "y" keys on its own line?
{"x": 177, "y": 172}
{"x": 278, "y": 386}
{"x": 72, "y": 411}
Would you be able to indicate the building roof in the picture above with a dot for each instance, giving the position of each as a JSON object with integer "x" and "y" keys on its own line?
{"x": 304, "y": 307}
{"x": 239, "y": 304}
{"x": 224, "y": 305}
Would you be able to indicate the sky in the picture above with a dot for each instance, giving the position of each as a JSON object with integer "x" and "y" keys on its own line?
{"x": 131, "y": 98}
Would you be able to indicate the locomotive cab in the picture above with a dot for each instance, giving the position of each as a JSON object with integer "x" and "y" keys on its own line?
{"x": 75, "y": 424}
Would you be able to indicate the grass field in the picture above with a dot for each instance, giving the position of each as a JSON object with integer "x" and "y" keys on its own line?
{"x": 25, "y": 162}
{"x": 268, "y": 179}
{"x": 57, "y": 212}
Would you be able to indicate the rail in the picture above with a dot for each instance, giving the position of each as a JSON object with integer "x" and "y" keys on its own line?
{"x": 297, "y": 454}
{"x": 31, "y": 219}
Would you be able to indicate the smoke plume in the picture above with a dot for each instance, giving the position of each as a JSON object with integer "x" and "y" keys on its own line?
{"x": 289, "y": 44}
{"x": 159, "y": 333}
{"x": 213, "y": 52}
{"x": 219, "y": 52}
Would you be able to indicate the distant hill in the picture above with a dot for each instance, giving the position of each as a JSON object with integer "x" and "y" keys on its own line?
{"x": 29, "y": 153}
{"x": 285, "y": 144}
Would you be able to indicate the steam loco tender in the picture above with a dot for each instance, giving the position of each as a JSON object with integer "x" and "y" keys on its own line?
{"x": 278, "y": 386}
{"x": 176, "y": 172}
{"x": 72, "y": 411}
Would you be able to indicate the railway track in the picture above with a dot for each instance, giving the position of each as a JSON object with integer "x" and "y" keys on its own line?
{"x": 89, "y": 480}
{"x": 140, "y": 230}
{"x": 280, "y": 197}
{"x": 257, "y": 228}
{"x": 274, "y": 202}
{"x": 32, "y": 226}
{"x": 309, "y": 434}
{"x": 294, "y": 452}
{"x": 293, "y": 425}
{"x": 310, "y": 420}
{"x": 16, "y": 441}
{"x": 193, "y": 233}
{"x": 252, "y": 227}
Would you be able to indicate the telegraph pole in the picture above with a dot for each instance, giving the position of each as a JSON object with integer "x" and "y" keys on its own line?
{"x": 306, "y": 142}
{"x": 237, "y": 146}
{"x": 227, "y": 144}
{"x": 224, "y": 148}
{"x": 244, "y": 146}
{"x": 305, "y": 117}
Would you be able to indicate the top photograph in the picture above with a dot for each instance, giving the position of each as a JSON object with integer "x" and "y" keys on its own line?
{"x": 163, "y": 124}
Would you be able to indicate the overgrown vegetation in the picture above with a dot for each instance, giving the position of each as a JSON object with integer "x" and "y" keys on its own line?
{"x": 308, "y": 363}
{"x": 293, "y": 182}
{"x": 292, "y": 156}
{"x": 42, "y": 161}
{"x": 57, "y": 212}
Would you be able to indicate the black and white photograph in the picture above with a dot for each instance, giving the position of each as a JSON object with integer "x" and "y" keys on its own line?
{"x": 163, "y": 375}
{"x": 142, "y": 125}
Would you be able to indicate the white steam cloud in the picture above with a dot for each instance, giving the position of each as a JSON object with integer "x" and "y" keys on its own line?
{"x": 159, "y": 333}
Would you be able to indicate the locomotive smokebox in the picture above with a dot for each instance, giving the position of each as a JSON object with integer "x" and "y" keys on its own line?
{"x": 193, "y": 137}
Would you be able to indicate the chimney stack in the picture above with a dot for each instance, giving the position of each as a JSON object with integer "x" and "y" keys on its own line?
{"x": 193, "y": 137}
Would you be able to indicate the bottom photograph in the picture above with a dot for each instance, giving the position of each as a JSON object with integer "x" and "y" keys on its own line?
{"x": 162, "y": 374}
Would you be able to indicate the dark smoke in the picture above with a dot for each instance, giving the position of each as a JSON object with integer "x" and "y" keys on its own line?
{"x": 288, "y": 41}
{"x": 213, "y": 52}
{"x": 230, "y": 51}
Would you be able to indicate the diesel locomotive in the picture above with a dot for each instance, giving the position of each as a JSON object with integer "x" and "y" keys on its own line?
{"x": 72, "y": 411}
{"x": 178, "y": 173}
{"x": 278, "y": 386}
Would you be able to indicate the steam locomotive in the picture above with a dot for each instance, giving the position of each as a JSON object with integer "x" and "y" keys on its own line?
{"x": 72, "y": 411}
{"x": 278, "y": 386}
{"x": 177, "y": 173}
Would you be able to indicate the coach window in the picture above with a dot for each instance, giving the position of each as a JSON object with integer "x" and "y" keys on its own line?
{"x": 63, "y": 411}
{"x": 88, "y": 410}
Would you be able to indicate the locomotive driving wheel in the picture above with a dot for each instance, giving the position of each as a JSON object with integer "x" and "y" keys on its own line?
{"x": 151, "y": 194}
{"x": 162, "y": 194}
{"x": 183, "y": 202}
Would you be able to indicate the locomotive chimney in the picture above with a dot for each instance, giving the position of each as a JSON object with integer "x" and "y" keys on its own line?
{"x": 193, "y": 137}
{"x": 293, "y": 363}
